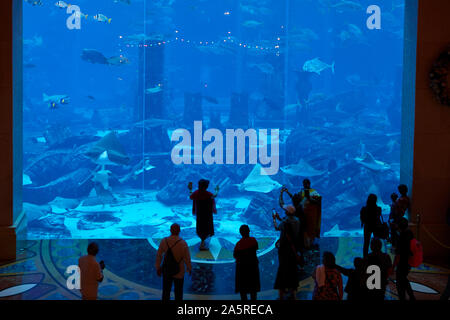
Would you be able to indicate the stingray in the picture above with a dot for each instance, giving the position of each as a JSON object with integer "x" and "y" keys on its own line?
{"x": 64, "y": 204}
{"x": 368, "y": 161}
{"x": 256, "y": 182}
{"x": 301, "y": 169}
{"x": 108, "y": 150}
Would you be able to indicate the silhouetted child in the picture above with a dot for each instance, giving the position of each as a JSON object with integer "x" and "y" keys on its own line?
{"x": 356, "y": 287}
{"x": 393, "y": 220}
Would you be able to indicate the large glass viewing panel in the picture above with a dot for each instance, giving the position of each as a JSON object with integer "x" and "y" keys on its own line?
{"x": 108, "y": 84}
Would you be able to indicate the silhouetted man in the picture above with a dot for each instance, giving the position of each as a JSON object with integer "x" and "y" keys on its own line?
{"x": 180, "y": 251}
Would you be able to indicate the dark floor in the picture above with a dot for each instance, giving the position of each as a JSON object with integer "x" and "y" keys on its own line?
{"x": 39, "y": 271}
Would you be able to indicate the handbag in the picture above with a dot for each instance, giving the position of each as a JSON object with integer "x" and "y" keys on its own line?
{"x": 382, "y": 230}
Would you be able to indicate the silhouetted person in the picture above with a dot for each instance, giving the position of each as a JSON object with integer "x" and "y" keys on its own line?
{"x": 356, "y": 287}
{"x": 401, "y": 263}
{"x": 308, "y": 207}
{"x": 203, "y": 207}
{"x": 403, "y": 202}
{"x": 180, "y": 251}
{"x": 287, "y": 274}
{"x": 328, "y": 280}
{"x": 394, "y": 218}
{"x": 384, "y": 262}
{"x": 370, "y": 219}
{"x": 247, "y": 269}
{"x": 90, "y": 273}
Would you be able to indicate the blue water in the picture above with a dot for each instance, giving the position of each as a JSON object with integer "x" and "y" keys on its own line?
{"x": 215, "y": 49}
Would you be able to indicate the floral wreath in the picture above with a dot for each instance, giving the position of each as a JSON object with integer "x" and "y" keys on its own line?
{"x": 439, "y": 78}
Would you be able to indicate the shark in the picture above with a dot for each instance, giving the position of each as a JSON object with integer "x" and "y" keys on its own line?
{"x": 155, "y": 89}
{"x": 302, "y": 169}
{"x": 367, "y": 160}
{"x": 141, "y": 167}
{"x": 256, "y": 182}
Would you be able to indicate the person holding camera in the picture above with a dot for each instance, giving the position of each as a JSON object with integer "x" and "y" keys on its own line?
{"x": 286, "y": 281}
{"x": 91, "y": 273}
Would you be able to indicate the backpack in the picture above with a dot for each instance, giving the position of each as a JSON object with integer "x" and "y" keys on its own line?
{"x": 170, "y": 266}
{"x": 417, "y": 253}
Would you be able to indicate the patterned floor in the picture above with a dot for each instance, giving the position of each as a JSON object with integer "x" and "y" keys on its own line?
{"x": 38, "y": 273}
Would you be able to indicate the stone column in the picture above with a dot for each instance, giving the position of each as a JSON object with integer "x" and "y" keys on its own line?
{"x": 10, "y": 126}
{"x": 426, "y": 128}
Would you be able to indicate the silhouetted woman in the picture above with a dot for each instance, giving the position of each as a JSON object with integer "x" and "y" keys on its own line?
{"x": 247, "y": 269}
{"x": 370, "y": 218}
{"x": 203, "y": 207}
{"x": 328, "y": 280}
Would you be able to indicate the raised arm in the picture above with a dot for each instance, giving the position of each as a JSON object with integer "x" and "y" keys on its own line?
{"x": 190, "y": 188}
{"x": 281, "y": 200}
{"x": 216, "y": 191}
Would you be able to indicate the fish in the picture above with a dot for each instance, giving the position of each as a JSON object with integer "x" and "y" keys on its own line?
{"x": 153, "y": 90}
{"x": 315, "y": 98}
{"x": 302, "y": 169}
{"x": 35, "y": 2}
{"x": 346, "y": 5}
{"x": 93, "y": 56}
{"x": 257, "y": 182}
{"x": 254, "y": 10}
{"x": 210, "y": 99}
{"x": 36, "y": 41}
{"x": 251, "y": 23}
{"x": 117, "y": 61}
{"x": 141, "y": 167}
{"x": 102, "y": 18}
{"x": 80, "y": 14}
{"x": 62, "y": 4}
{"x": 153, "y": 123}
{"x": 336, "y": 232}
{"x": 317, "y": 66}
{"x": 147, "y": 166}
{"x": 353, "y": 33}
{"x": 302, "y": 35}
{"x": 123, "y": 1}
{"x": 265, "y": 67}
{"x": 56, "y": 100}
{"x": 140, "y": 38}
{"x": 91, "y": 97}
{"x": 368, "y": 161}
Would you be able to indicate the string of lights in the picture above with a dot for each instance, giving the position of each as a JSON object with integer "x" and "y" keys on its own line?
{"x": 227, "y": 41}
